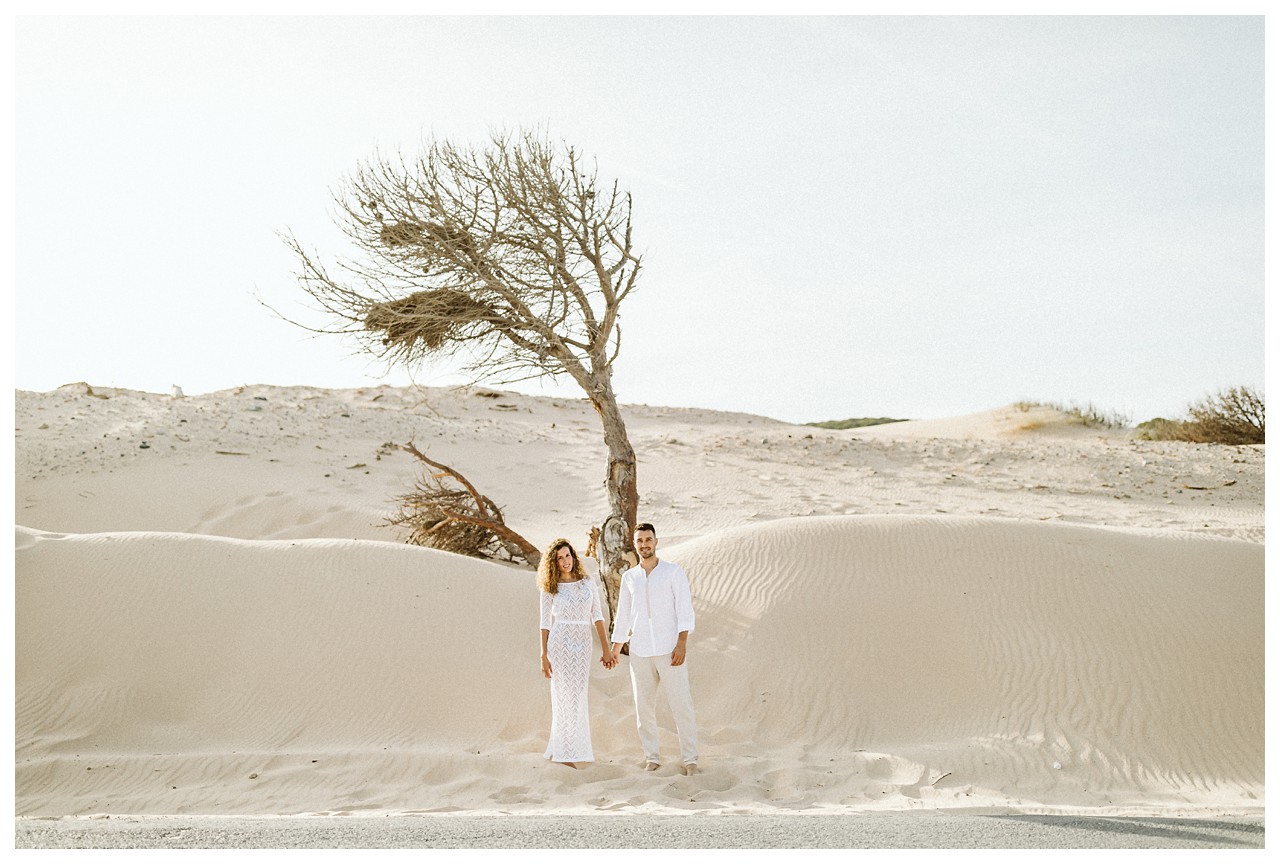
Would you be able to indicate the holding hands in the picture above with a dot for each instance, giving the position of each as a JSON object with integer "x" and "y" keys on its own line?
{"x": 608, "y": 661}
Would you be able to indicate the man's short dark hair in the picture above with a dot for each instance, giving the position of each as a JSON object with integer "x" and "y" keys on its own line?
{"x": 645, "y": 526}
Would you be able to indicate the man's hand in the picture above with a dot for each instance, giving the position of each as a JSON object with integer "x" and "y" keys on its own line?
{"x": 677, "y": 656}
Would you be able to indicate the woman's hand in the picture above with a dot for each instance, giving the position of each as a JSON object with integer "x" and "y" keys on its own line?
{"x": 546, "y": 667}
{"x": 608, "y": 661}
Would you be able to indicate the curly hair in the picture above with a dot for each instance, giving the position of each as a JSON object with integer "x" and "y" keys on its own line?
{"x": 549, "y": 570}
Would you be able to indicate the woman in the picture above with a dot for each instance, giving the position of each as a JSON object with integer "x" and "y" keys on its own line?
{"x": 570, "y": 606}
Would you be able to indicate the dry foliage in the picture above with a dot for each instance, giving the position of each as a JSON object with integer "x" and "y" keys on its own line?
{"x": 1234, "y": 416}
{"x": 511, "y": 260}
{"x": 430, "y": 319}
{"x": 1087, "y": 414}
{"x": 456, "y": 518}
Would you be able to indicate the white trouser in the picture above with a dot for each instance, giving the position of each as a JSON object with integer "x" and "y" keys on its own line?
{"x": 648, "y": 675}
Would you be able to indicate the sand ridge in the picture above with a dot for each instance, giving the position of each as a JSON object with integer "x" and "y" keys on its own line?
{"x": 262, "y": 462}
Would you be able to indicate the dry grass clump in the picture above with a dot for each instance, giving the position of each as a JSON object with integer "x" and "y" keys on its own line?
{"x": 425, "y": 318}
{"x": 1086, "y": 415}
{"x": 1236, "y": 415}
{"x": 1092, "y": 416}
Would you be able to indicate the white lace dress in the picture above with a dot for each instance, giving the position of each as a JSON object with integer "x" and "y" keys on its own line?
{"x": 570, "y": 615}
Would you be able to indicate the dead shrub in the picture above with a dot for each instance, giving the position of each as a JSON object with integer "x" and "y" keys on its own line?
{"x": 1233, "y": 416}
{"x": 454, "y": 517}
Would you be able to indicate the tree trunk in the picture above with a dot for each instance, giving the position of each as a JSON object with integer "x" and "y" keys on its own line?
{"x": 615, "y": 546}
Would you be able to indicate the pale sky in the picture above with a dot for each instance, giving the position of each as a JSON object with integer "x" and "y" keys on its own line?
{"x": 841, "y": 217}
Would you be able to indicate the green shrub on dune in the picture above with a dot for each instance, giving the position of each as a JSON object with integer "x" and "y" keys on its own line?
{"x": 854, "y": 422}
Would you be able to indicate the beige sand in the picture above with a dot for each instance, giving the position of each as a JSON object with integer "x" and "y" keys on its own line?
{"x": 1003, "y": 620}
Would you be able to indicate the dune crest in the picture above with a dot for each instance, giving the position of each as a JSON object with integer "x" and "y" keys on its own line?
{"x": 263, "y": 462}
{"x": 1017, "y": 421}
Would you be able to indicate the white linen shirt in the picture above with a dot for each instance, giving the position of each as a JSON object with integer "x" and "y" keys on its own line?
{"x": 653, "y": 609}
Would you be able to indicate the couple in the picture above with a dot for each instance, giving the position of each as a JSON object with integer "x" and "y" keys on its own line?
{"x": 655, "y": 614}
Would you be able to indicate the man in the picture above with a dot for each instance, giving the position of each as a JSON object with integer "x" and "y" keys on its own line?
{"x": 655, "y": 614}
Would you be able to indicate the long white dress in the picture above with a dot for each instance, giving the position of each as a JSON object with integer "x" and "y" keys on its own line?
{"x": 570, "y": 615}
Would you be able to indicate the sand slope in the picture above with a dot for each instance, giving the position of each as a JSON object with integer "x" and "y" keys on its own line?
{"x": 838, "y": 663}
{"x": 263, "y": 462}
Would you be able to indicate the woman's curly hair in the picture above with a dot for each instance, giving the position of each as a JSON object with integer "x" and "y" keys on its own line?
{"x": 549, "y": 570}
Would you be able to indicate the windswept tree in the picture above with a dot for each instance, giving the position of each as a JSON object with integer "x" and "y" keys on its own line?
{"x": 511, "y": 259}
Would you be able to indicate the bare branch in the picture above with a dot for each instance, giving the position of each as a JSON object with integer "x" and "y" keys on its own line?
{"x": 457, "y": 520}
{"x": 467, "y": 249}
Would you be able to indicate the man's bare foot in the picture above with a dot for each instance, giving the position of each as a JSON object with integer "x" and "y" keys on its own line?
{"x": 651, "y": 766}
{"x": 691, "y": 769}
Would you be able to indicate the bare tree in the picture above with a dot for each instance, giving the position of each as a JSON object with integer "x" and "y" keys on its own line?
{"x": 510, "y": 258}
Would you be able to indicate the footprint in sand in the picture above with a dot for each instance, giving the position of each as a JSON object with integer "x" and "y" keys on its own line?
{"x": 515, "y": 795}
{"x": 597, "y": 772}
{"x": 704, "y": 782}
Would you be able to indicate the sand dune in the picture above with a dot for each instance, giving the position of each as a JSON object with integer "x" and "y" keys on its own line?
{"x": 1018, "y": 421}
{"x": 841, "y": 663}
{"x": 218, "y": 623}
